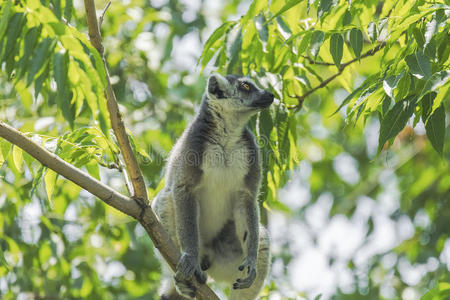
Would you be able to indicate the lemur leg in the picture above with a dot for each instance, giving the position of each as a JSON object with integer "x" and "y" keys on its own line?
{"x": 163, "y": 207}
{"x": 262, "y": 269}
{"x": 171, "y": 294}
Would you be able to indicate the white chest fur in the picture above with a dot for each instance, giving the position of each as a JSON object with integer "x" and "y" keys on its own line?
{"x": 224, "y": 171}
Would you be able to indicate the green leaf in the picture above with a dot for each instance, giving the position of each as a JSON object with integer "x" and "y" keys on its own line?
{"x": 31, "y": 39}
{"x": 211, "y": 44}
{"x": 386, "y": 104}
{"x": 419, "y": 65}
{"x": 57, "y": 8}
{"x": 18, "y": 158}
{"x": 418, "y": 36}
{"x": 5, "y": 147}
{"x": 390, "y": 83}
{"x": 68, "y": 10}
{"x": 403, "y": 87}
{"x": 50, "y": 178}
{"x": 347, "y": 18}
{"x": 40, "y": 57}
{"x": 436, "y": 81}
{"x": 304, "y": 43}
{"x": 5, "y": 17}
{"x": 36, "y": 180}
{"x": 288, "y": 5}
{"x": 435, "y": 128}
{"x": 324, "y": 7}
{"x": 60, "y": 67}
{"x": 356, "y": 41}
{"x": 372, "y": 31}
{"x": 12, "y": 40}
{"x": 92, "y": 168}
{"x": 336, "y": 48}
{"x": 283, "y": 28}
{"x": 395, "y": 120}
{"x": 253, "y": 10}
{"x": 444, "y": 93}
{"x": 234, "y": 46}
{"x": 263, "y": 30}
{"x": 316, "y": 42}
{"x": 427, "y": 106}
{"x": 358, "y": 91}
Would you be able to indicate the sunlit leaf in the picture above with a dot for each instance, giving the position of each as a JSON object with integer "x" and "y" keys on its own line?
{"x": 356, "y": 41}
{"x": 288, "y": 5}
{"x": 211, "y": 46}
{"x": 60, "y": 68}
{"x": 324, "y": 7}
{"x": 419, "y": 65}
{"x": 336, "y": 48}
{"x": 50, "y": 181}
{"x": 436, "y": 81}
{"x": 40, "y": 57}
{"x": 4, "y": 18}
{"x": 234, "y": 44}
{"x": 68, "y": 10}
{"x": 17, "y": 156}
{"x": 435, "y": 128}
{"x": 12, "y": 36}
{"x": 263, "y": 30}
{"x": 394, "y": 121}
{"x": 283, "y": 28}
{"x": 5, "y": 147}
{"x": 316, "y": 42}
{"x": 390, "y": 83}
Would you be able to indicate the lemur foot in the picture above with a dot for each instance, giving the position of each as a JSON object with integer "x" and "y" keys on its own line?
{"x": 205, "y": 263}
{"x": 187, "y": 269}
{"x": 185, "y": 288}
{"x": 243, "y": 283}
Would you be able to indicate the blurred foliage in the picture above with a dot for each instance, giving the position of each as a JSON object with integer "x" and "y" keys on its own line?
{"x": 386, "y": 69}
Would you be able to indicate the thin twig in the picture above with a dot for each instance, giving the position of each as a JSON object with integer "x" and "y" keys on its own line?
{"x": 139, "y": 188}
{"x": 103, "y": 14}
{"x": 127, "y": 179}
{"x": 301, "y": 98}
{"x": 315, "y": 62}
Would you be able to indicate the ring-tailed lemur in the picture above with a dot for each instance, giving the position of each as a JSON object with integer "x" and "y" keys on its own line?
{"x": 209, "y": 202}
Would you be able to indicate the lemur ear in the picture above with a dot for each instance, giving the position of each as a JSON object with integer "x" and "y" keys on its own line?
{"x": 216, "y": 86}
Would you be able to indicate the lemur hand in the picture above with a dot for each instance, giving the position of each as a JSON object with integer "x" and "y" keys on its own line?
{"x": 187, "y": 268}
{"x": 243, "y": 283}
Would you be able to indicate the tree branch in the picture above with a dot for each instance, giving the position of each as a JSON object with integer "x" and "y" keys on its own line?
{"x": 137, "y": 180}
{"x": 146, "y": 216}
{"x": 127, "y": 205}
{"x": 301, "y": 98}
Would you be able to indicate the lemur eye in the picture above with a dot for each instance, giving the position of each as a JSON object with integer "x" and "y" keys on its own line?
{"x": 245, "y": 86}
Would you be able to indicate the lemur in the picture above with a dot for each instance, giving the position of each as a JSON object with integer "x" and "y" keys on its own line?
{"x": 209, "y": 202}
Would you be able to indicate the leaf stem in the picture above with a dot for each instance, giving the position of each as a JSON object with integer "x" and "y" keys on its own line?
{"x": 301, "y": 98}
{"x": 137, "y": 180}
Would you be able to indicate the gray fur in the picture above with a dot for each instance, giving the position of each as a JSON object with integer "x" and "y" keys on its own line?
{"x": 209, "y": 203}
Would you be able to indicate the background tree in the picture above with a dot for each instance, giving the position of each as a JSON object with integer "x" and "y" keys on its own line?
{"x": 355, "y": 152}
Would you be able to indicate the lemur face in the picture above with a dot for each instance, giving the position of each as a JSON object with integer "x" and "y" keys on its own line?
{"x": 236, "y": 93}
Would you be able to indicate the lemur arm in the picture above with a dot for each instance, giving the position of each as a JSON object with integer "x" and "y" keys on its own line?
{"x": 253, "y": 228}
{"x": 252, "y": 181}
{"x": 187, "y": 231}
{"x": 186, "y": 219}
{"x": 186, "y": 225}
{"x": 250, "y": 204}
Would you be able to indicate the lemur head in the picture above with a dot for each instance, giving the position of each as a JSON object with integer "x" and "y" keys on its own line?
{"x": 236, "y": 94}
